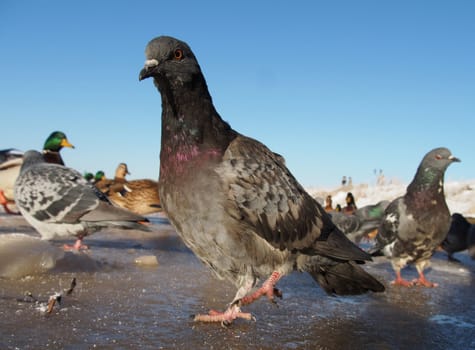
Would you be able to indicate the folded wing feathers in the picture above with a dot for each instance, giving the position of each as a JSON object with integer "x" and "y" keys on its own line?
{"x": 268, "y": 197}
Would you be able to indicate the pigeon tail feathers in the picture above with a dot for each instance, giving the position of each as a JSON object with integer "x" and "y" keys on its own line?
{"x": 345, "y": 279}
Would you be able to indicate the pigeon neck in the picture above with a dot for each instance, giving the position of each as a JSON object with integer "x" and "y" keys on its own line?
{"x": 191, "y": 127}
{"x": 429, "y": 180}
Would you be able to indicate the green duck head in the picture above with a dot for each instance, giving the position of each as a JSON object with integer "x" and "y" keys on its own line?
{"x": 56, "y": 141}
{"x": 88, "y": 176}
{"x": 99, "y": 175}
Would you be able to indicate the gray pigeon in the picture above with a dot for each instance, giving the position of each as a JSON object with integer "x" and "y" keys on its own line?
{"x": 58, "y": 202}
{"x": 362, "y": 222}
{"x": 233, "y": 201}
{"x": 415, "y": 224}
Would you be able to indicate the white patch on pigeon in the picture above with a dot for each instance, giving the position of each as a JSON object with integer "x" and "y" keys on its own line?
{"x": 388, "y": 250}
{"x": 391, "y": 218}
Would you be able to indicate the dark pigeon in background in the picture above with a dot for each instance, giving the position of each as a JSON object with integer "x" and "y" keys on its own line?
{"x": 233, "y": 201}
{"x": 58, "y": 202}
{"x": 362, "y": 222}
{"x": 457, "y": 237}
{"x": 471, "y": 241}
{"x": 415, "y": 224}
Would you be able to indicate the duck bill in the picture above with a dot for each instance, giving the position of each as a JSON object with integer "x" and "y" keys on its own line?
{"x": 65, "y": 143}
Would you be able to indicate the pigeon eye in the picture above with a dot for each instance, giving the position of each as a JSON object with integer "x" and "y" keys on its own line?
{"x": 438, "y": 157}
{"x": 178, "y": 54}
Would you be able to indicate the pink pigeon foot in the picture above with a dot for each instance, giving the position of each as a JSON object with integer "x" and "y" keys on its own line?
{"x": 226, "y": 318}
{"x": 399, "y": 281}
{"x": 422, "y": 281}
{"x": 76, "y": 247}
{"x": 4, "y": 202}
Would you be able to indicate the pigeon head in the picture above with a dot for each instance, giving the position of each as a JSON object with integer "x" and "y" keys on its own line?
{"x": 56, "y": 141}
{"x": 191, "y": 127}
{"x": 169, "y": 59}
{"x": 430, "y": 173}
{"x": 439, "y": 158}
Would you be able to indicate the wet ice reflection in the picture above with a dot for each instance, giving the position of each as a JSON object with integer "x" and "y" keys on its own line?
{"x": 118, "y": 303}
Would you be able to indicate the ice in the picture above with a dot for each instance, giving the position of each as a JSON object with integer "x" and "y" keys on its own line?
{"x": 119, "y": 304}
{"x": 451, "y": 320}
{"x": 22, "y": 255}
{"x": 147, "y": 260}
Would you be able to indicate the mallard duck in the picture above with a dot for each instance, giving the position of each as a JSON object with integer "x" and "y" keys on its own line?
{"x": 53, "y": 145}
{"x": 106, "y": 185}
{"x": 362, "y": 223}
{"x": 11, "y": 161}
{"x": 350, "y": 204}
{"x": 138, "y": 196}
{"x": 328, "y": 204}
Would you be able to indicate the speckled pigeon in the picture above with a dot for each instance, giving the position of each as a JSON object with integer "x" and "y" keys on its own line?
{"x": 58, "y": 202}
{"x": 233, "y": 201}
{"x": 415, "y": 224}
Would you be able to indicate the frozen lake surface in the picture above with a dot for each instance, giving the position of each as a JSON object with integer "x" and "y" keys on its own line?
{"x": 118, "y": 304}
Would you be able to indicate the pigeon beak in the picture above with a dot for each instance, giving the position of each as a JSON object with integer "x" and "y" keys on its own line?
{"x": 454, "y": 159}
{"x": 149, "y": 69}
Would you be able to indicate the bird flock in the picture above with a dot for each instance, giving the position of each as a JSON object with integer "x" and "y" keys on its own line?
{"x": 234, "y": 202}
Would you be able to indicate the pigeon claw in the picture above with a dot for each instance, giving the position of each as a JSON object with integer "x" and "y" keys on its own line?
{"x": 399, "y": 281}
{"x": 402, "y": 282}
{"x": 422, "y": 281}
{"x": 226, "y": 318}
{"x": 4, "y": 202}
{"x": 76, "y": 247}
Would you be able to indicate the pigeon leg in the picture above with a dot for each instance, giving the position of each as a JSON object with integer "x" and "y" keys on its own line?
{"x": 77, "y": 246}
{"x": 422, "y": 281}
{"x": 399, "y": 281}
{"x": 226, "y": 318}
{"x": 4, "y": 201}
{"x": 268, "y": 289}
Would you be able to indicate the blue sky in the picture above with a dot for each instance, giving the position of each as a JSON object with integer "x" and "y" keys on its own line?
{"x": 336, "y": 87}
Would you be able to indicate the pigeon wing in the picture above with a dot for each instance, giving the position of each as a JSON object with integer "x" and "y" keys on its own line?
{"x": 53, "y": 193}
{"x": 262, "y": 192}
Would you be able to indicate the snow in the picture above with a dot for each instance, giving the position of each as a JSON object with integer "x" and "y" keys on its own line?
{"x": 459, "y": 194}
